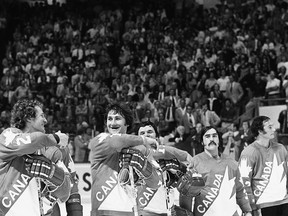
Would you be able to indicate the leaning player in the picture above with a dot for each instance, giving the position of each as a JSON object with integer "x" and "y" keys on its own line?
{"x": 21, "y": 174}
{"x": 159, "y": 201}
{"x": 108, "y": 197}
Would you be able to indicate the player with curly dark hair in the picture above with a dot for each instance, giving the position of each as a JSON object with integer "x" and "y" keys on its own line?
{"x": 22, "y": 111}
{"x": 22, "y": 169}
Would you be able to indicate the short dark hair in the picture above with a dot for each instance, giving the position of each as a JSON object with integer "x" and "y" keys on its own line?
{"x": 258, "y": 125}
{"x": 22, "y": 111}
{"x": 148, "y": 123}
{"x": 122, "y": 109}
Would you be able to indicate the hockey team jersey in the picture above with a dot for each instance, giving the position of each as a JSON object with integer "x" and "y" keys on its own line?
{"x": 264, "y": 173}
{"x": 62, "y": 157}
{"x": 223, "y": 192}
{"x": 19, "y": 191}
{"x": 160, "y": 200}
{"x": 107, "y": 196}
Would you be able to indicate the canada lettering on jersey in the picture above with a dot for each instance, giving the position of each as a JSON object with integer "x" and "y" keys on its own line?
{"x": 15, "y": 190}
{"x": 259, "y": 188}
{"x": 145, "y": 196}
{"x": 211, "y": 196}
{"x": 106, "y": 187}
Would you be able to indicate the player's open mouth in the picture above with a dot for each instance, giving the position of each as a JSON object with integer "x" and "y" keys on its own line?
{"x": 114, "y": 127}
{"x": 154, "y": 146}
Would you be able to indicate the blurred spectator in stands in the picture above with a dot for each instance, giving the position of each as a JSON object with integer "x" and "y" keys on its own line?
{"x": 170, "y": 114}
{"x": 21, "y": 91}
{"x": 234, "y": 90}
{"x": 272, "y": 89}
{"x": 283, "y": 120}
{"x": 51, "y": 69}
{"x": 8, "y": 85}
{"x": 231, "y": 139}
{"x": 54, "y": 106}
{"x": 196, "y": 140}
{"x": 81, "y": 109}
{"x": 180, "y": 112}
{"x": 100, "y": 99}
{"x": 160, "y": 94}
{"x": 208, "y": 117}
{"x": 210, "y": 82}
{"x": 190, "y": 119}
{"x": 214, "y": 103}
{"x": 181, "y": 141}
{"x": 201, "y": 84}
{"x": 3, "y": 101}
{"x": 5, "y": 116}
{"x": 223, "y": 81}
{"x": 244, "y": 136}
{"x": 148, "y": 117}
{"x": 81, "y": 142}
{"x": 200, "y": 97}
{"x": 228, "y": 114}
{"x": 163, "y": 125}
{"x": 283, "y": 82}
{"x": 259, "y": 85}
{"x": 77, "y": 75}
{"x": 184, "y": 95}
{"x": 93, "y": 125}
{"x": 68, "y": 109}
{"x": 173, "y": 98}
{"x": 282, "y": 56}
{"x": 52, "y": 122}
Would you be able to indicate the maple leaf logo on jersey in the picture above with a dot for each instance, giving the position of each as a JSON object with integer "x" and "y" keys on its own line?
{"x": 71, "y": 165}
{"x": 244, "y": 168}
{"x": 226, "y": 198}
{"x": 273, "y": 184}
{"x": 103, "y": 136}
{"x": 9, "y": 136}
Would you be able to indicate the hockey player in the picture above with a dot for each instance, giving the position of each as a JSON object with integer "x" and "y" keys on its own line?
{"x": 171, "y": 160}
{"x": 107, "y": 196}
{"x": 73, "y": 204}
{"x": 223, "y": 189}
{"x": 21, "y": 171}
{"x": 263, "y": 168}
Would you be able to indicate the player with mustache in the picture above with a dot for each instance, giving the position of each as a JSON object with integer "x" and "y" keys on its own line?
{"x": 223, "y": 193}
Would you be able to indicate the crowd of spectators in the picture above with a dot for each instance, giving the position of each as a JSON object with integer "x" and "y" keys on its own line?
{"x": 175, "y": 68}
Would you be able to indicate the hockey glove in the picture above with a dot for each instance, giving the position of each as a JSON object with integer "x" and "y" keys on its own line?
{"x": 171, "y": 179}
{"x": 190, "y": 184}
{"x": 179, "y": 211}
{"x": 41, "y": 167}
{"x": 139, "y": 162}
{"x": 124, "y": 177}
{"x": 73, "y": 205}
{"x": 173, "y": 165}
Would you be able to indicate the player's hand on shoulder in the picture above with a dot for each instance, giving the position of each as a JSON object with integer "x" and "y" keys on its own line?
{"x": 136, "y": 159}
{"x": 150, "y": 142}
{"x": 173, "y": 165}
